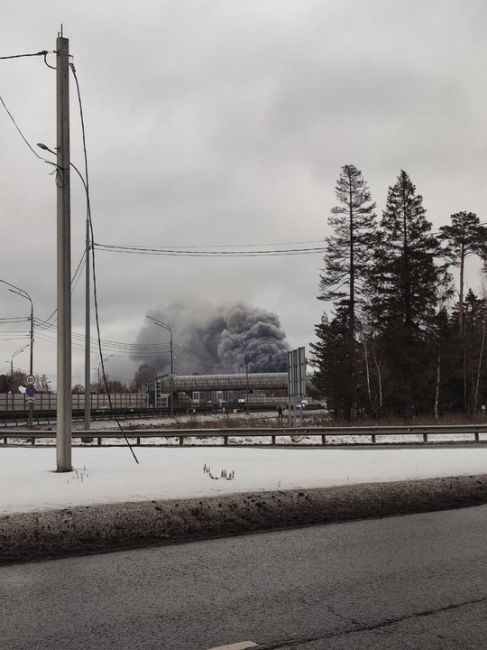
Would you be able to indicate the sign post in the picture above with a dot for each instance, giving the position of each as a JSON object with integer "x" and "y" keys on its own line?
{"x": 296, "y": 379}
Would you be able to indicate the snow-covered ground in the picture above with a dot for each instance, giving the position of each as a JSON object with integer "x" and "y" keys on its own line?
{"x": 28, "y": 481}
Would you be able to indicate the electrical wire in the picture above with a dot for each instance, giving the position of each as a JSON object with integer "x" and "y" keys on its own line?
{"x": 254, "y": 245}
{"x": 78, "y": 273}
{"x": 141, "y": 250}
{"x": 19, "y": 130}
{"x": 74, "y": 281}
{"x": 175, "y": 250}
{"x": 95, "y": 291}
{"x": 43, "y": 53}
{"x": 118, "y": 346}
{"x": 14, "y": 319}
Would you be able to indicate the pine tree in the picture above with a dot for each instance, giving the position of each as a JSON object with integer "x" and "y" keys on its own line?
{"x": 349, "y": 248}
{"x": 347, "y": 260}
{"x": 465, "y": 236}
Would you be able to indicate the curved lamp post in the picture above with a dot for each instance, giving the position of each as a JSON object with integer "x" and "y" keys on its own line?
{"x": 161, "y": 323}
{"x": 23, "y": 294}
{"x": 14, "y": 355}
{"x": 87, "y": 409}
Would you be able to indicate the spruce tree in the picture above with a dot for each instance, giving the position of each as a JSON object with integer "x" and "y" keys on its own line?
{"x": 405, "y": 281}
{"x": 329, "y": 355}
{"x": 406, "y": 284}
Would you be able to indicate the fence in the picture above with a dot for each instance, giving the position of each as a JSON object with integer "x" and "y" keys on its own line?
{"x": 47, "y": 401}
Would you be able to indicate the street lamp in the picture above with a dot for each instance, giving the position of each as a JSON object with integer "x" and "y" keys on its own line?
{"x": 44, "y": 147}
{"x": 23, "y": 294}
{"x": 14, "y": 355}
{"x": 160, "y": 323}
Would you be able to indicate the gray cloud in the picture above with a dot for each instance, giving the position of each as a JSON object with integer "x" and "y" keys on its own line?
{"x": 225, "y": 122}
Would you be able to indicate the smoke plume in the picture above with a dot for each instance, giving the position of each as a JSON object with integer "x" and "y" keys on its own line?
{"x": 216, "y": 339}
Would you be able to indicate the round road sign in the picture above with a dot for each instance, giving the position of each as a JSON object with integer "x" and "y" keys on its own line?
{"x": 30, "y": 379}
{"x": 30, "y": 391}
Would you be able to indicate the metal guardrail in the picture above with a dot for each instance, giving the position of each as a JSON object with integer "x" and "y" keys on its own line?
{"x": 368, "y": 434}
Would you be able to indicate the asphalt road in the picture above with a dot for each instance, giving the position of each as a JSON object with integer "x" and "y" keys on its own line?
{"x": 417, "y": 581}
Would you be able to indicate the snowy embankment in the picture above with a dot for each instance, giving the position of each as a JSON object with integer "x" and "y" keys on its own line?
{"x": 28, "y": 481}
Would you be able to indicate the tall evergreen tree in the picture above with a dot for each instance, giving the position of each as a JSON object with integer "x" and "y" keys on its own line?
{"x": 329, "y": 355}
{"x": 465, "y": 236}
{"x": 349, "y": 248}
{"x": 406, "y": 283}
{"x": 474, "y": 335}
{"x": 347, "y": 260}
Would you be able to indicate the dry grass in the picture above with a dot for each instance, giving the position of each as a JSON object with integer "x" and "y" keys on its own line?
{"x": 309, "y": 419}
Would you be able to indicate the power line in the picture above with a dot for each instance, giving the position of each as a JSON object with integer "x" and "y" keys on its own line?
{"x": 140, "y": 250}
{"x": 19, "y": 130}
{"x": 119, "y": 347}
{"x": 14, "y": 319}
{"x": 74, "y": 282}
{"x": 241, "y": 245}
{"x": 43, "y": 53}
{"x": 95, "y": 291}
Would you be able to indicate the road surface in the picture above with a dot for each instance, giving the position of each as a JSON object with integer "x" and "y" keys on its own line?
{"x": 417, "y": 581}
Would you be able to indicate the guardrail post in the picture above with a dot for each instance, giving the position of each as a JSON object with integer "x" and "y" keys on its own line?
{"x": 273, "y": 440}
{"x": 225, "y": 440}
{"x": 425, "y": 437}
{"x": 323, "y": 440}
{"x": 181, "y": 440}
{"x": 373, "y": 438}
{"x": 477, "y": 437}
{"x": 138, "y": 441}
{"x": 99, "y": 442}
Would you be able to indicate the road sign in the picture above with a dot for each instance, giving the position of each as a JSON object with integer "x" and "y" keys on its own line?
{"x": 30, "y": 379}
{"x": 296, "y": 372}
{"x": 30, "y": 391}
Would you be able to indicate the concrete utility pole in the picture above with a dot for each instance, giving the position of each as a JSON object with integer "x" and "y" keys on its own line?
{"x": 30, "y": 421}
{"x": 87, "y": 327}
{"x": 63, "y": 425}
{"x": 87, "y": 400}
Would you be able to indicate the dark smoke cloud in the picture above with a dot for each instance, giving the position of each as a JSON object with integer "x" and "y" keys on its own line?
{"x": 217, "y": 339}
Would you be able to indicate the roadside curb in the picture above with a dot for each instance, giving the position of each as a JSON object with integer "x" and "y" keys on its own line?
{"x": 97, "y": 528}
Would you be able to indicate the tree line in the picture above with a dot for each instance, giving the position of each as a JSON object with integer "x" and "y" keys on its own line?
{"x": 400, "y": 339}
{"x": 144, "y": 378}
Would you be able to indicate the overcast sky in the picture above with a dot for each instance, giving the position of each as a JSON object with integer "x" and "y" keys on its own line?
{"x": 226, "y": 122}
